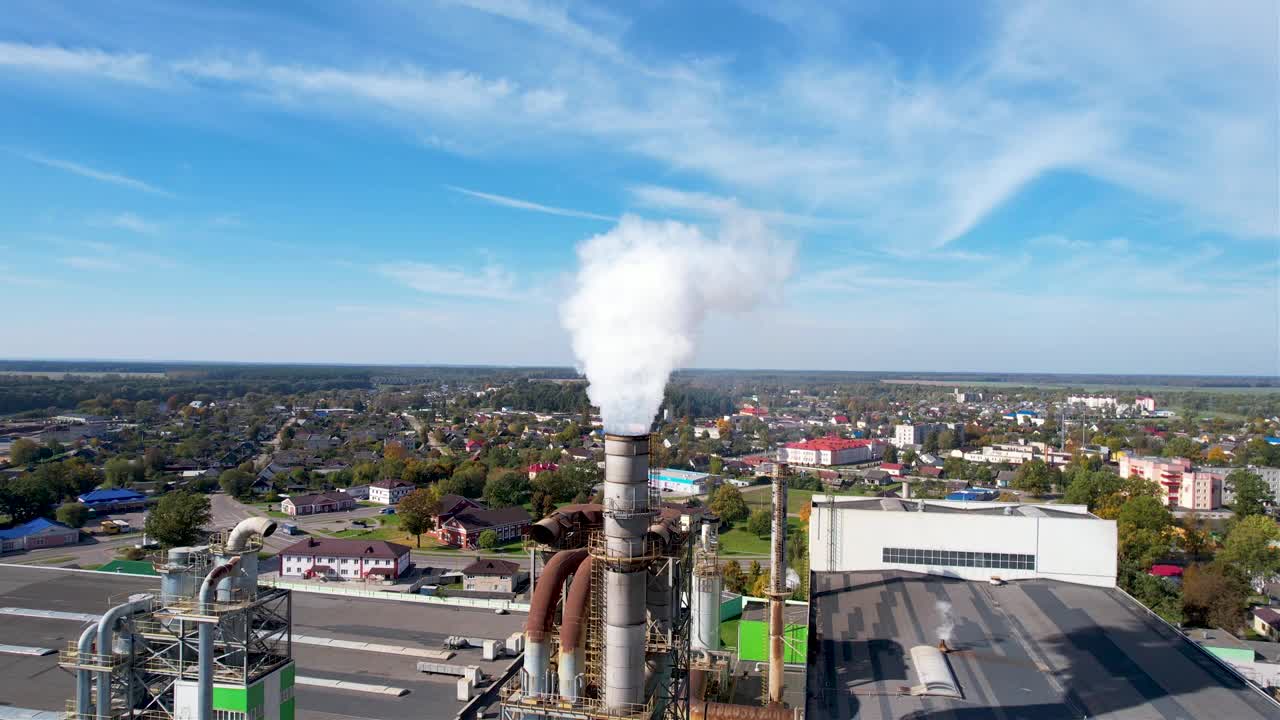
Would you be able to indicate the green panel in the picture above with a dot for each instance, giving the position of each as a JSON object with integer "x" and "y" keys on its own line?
{"x": 286, "y": 676}
{"x": 256, "y": 693}
{"x": 753, "y": 642}
{"x": 732, "y": 608}
{"x": 1230, "y": 654}
{"x": 130, "y": 567}
{"x": 286, "y": 709}
{"x": 231, "y": 698}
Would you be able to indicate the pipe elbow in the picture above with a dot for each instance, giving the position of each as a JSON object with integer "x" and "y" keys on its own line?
{"x": 238, "y": 540}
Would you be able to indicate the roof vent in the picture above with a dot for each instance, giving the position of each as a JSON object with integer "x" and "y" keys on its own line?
{"x": 934, "y": 673}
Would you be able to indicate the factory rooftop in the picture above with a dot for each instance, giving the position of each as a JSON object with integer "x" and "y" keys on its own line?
{"x": 1039, "y": 649}
{"x": 956, "y": 506}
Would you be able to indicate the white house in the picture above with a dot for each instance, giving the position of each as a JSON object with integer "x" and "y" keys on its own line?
{"x": 389, "y": 492}
{"x": 333, "y": 558}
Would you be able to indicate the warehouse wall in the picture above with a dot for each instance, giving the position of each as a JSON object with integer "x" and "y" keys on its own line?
{"x": 1073, "y": 550}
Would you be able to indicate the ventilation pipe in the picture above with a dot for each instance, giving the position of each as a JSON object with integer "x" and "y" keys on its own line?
{"x": 777, "y": 586}
{"x": 626, "y": 520}
{"x": 204, "y": 684}
{"x": 574, "y": 618}
{"x": 538, "y": 624}
{"x": 106, "y": 645}
{"x": 243, "y": 585}
{"x": 238, "y": 540}
{"x": 84, "y": 678}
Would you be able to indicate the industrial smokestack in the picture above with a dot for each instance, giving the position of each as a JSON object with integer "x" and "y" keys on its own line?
{"x": 778, "y": 591}
{"x": 626, "y": 521}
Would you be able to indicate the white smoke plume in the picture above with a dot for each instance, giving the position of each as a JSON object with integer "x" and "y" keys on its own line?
{"x": 643, "y": 291}
{"x": 946, "y": 620}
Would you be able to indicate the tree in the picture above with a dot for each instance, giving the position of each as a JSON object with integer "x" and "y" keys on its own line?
{"x": 1214, "y": 596}
{"x": 120, "y": 471}
{"x": 394, "y": 451}
{"x": 1160, "y": 595}
{"x": 1194, "y": 538}
{"x": 890, "y": 454}
{"x": 759, "y": 523}
{"x": 931, "y": 443}
{"x": 1182, "y": 447}
{"x": 1248, "y": 548}
{"x": 488, "y": 540}
{"x": 728, "y": 504}
{"x": 1252, "y": 492}
{"x": 418, "y": 510}
{"x": 908, "y": 456}
{"x": 26, "y": 497}
{"x": 72, "y": 514}
{"x": 470, "y": 479}
{"x": 236, "y": 482}
{"x": 178, "y": 519}
{"x": 24, "y": 452}
{"x": 1143, "y": 529}
{"x": 1035, "y": 477}
{"x": 805, "y": 513}
{"x": 1089, "y": 488}
{"x": 948, "y": 440}
{"x": 1216, "y": 456}
{"x": 734, "y": 579}
{"x": 716, "y": 465}
{"x": 506, "y": 488}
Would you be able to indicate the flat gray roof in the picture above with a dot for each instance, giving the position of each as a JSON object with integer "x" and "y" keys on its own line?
{"x": 1038, "y": 649}
{"x": 38, "y": 683}
{"x": 960, "y": 507}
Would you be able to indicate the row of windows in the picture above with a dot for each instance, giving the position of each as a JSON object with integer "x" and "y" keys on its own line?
{"x": 960, "y": 558}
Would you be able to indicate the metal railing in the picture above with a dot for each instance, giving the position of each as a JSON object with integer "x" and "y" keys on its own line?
{"x": 72, "y": 659}
{"x": 516, "y": 704}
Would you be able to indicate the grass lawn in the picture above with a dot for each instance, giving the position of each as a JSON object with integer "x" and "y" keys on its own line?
{"x": 279, "y": 515}
{"x": 740, "y": 542}
{"x": 729, "y": 633}
{"x": 389, "y": 529}
{"x": 49, "y": 561}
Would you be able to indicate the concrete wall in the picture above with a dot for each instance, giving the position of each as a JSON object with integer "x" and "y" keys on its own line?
{"x": 1068, "y": 549}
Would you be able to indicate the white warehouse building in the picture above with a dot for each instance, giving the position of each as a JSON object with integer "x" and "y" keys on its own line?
{"x": 972, "y": 541}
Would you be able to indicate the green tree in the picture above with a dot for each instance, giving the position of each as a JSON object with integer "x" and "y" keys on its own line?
{"x": 120, "y": 471}
{"x": 948, "y": 440}
{"x": 1251, "y": 491}
{"x": 1182, "y": 447}
{"x": 1143, "y": 529}
{"x": 728, "y": 504}
{"x": 236, "y": 483}
{"x": 26, "y": 497}
{"x": 759, "y": 523}
{"x": 1035, "y": 477}
{"x": 716, "y": 466}
{"x": 1214, "y": 595}
{"x": 506, "y": 488}
{"x": 890, "y": 454}
{"x": 470, "y": 479}
{"x": 735, "y": 580}
{"x": 931, "y": 443}
{"x": 1162, "y": 596}
{"x": 418, "y": 510}
{"x": 1089, "y": 488}
{"x": 1249, "y": 549}
{"x": 24, "y": 452}
{"x": 72, "y": 514}
{"x": 488, "y": 540}
{"x": 908, "y": 456}
{"x": 178, "y": 519}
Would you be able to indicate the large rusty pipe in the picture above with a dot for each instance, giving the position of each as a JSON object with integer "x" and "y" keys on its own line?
{"x": 571, "y": 631}
{"x": 538, "y": 624}
{"x": 775, "y": 649}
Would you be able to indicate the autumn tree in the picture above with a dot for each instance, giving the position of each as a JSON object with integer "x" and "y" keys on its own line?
{"x": 727, "y": 502}
{"x": 418, "y": 510}
{"x": 1214, "y": 595}
{"x": 759, "y": 523}
{"x": 178, "y": 519}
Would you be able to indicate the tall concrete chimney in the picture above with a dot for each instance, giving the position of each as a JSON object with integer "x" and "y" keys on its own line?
{"x": 777, "y": 584}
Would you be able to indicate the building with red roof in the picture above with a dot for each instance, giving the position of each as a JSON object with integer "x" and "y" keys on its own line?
{"x": 831, "y": 451}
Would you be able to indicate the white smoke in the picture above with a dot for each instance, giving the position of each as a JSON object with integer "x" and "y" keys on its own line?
{"x": 946, "y": 620}
{"x": 793, "y": 579}
{"x": 643, "y": 291}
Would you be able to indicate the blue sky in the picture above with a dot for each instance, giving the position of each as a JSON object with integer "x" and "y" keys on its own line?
{"x": 1086, "y": 187}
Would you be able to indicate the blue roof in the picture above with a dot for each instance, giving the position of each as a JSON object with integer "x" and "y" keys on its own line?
{"x": 972, "y": 494}
{"x": 31, "y": 527}
{"x": 111, "y": 495}
{"x": 1273, "y": 440}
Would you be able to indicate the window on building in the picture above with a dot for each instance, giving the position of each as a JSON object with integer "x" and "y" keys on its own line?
{"x": 228, "y": 715}
{"x": 959, "y": 558}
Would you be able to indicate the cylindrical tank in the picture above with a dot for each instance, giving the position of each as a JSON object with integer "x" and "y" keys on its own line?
{"x": 176, "y": 576}
{"x": 704, "y": 612}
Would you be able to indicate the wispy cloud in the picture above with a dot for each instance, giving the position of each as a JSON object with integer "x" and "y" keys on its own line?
{"x": 492, "y": 282}
{"x": 131, "y": 222}
{"x": 551, "y": 19}
{"x": 129, "y": 67}
{"x": 711, "y": 205}
{"x": 517, "y": 203}
{"x": 93, "y": 263}
{"x": 92, "y": 173}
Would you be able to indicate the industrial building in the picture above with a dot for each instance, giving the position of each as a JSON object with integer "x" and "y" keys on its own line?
{"x": 974, "y": 541}
{"x": 680, "y": 482}
{"x": 624, "y": 620}
{"x": 831, "y": 451}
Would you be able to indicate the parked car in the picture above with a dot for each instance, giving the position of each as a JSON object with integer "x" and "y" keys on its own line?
{"x": 387, "y": 511}
{"x": 291, "y": 529}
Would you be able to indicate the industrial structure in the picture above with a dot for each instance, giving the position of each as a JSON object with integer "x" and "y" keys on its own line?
{"x": 624, "y": 620}
{"x": 212, "y": 645}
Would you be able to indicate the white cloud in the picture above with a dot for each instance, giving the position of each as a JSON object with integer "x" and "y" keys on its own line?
{"x": 517, "y": 203}
{"x": 492, "y": 282}
{"x": 92, "y": 173}
{"x": 87, "y": 262}
{"x": 131, "y": 222}
{"x": 551, "y": 19}
{"x": 711, "y": 205}
{"x": 127, "y": 67}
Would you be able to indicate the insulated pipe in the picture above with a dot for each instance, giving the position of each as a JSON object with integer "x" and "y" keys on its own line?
{"x": 238, "y": 540}
{"x": 626, "y": 521}
{"x": 106, "y": 647}
{"x": 204, "y": 678}
{"x": 574, "y": 617}
{"x": 84, "y": 678}
{"x": 538, "y": 624}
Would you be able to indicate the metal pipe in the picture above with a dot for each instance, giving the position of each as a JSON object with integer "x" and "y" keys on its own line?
{"x": 777, "y": 585}
{"x": 106, "y": 640}
{"x": 204, "y": 678}
{"x": 238, "y": 539}
{"x": 84, "y": 678}
{"x": 571, "y": 630}
{"x": 538, "y": 624}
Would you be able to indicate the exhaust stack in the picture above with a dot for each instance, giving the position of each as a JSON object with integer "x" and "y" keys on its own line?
{"x": 778, "y": 591}
{"x": 627, "y": 517}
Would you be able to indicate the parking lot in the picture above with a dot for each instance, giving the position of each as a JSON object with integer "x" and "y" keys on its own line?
{"x": 38, "y": 683}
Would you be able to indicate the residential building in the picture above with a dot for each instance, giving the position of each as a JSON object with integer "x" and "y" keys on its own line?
{"x": 463, "y": 527}
{"x": 35, "y": 534}
{"x": 1180, "y": 484}
{"x": 333, "y": 558}
{"x": 112, "y": 500}
{"x": 537, "y": 469}
{"x": 1092, "y": 402}
{"x": 313, "y": 503}
{"x": 1266, "y": 622}
{"x": 679, "y": 482}
{"x": 1145, "y": 403}
{"x": 831, "y": 451}
{"x": 357, "y": 492}
{"x": 490, "y": 575}
{"x": 1269, "y": 475}
{"x": 389, "y": 492}
{"x": 908, "y": 435}
{"x": 892, "y": 469}
{"x": 451, "y": 505}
